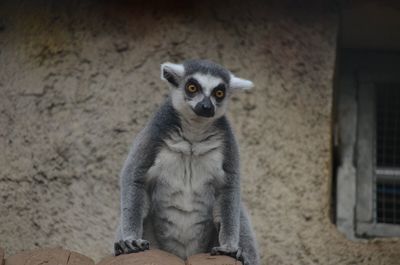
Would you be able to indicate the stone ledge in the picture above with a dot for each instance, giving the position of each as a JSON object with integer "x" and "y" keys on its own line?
{"x": 60, "y": 256}
{"x": 48, "y": 256}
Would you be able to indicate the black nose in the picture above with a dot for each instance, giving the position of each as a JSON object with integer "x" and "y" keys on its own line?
{"x": 205, "y": 108}
{"x": 206, "y": 105}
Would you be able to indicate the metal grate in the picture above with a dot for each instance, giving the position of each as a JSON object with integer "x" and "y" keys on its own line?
{"x": 388, "y": 125}
{"x": 388, "y": 203}
{"x": 387, "y": 169}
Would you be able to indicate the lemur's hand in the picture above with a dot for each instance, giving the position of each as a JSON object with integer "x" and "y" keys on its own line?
{"x": 226, "y": 250}
{"x": 130, "y": 246}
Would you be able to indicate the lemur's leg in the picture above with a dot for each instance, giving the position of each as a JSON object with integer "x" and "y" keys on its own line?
{"x": 247, "y": 240}
{"x": 149, "y": 233}
{"x": 248, "y": 250}
{"x": 227, "y": 242}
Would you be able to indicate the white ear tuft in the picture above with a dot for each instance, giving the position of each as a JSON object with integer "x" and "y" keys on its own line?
{"x": 237, "y": 83}
{"x": 172, "y": 73}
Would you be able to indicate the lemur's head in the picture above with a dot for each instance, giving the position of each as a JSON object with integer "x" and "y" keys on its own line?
{"x": 201, "y": 88}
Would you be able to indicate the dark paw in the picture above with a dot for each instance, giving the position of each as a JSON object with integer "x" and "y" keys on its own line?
{"x": 235, "y": 253}
{"x": 130, "y": 246}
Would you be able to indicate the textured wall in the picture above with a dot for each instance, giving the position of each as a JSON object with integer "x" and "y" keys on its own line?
{"x": 78, "y": 79}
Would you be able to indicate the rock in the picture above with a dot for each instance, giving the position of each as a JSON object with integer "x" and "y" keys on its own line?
{"x": 153, "y": 257}
{"x": 159, "y": 257}
{"x": 48, "y": 256}
{"x": 207, "y": 259}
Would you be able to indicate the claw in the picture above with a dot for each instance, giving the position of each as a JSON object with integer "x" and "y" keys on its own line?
{"x": 224, "y": 251}
{"x": 146, "y": 245}
{"x": 117, "y": 249}
{"x": 142, "y": 244}
{"x": 130, "y": 246}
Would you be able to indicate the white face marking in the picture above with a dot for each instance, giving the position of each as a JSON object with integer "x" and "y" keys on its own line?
{"x": 199, "y": 97}
{"x": 208, "y": 82}
{"x": 179, "y": 103}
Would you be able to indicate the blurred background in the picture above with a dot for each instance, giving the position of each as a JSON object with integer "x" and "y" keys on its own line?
{"x": 79, "y": 79}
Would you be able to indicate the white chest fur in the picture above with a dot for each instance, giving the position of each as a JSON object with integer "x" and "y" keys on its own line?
{"x": 184, "y": 175}
{"x": 188, "y": 166}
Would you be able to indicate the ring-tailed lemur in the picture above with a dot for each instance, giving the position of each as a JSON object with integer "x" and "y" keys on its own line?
{"x": 180, "y": 185}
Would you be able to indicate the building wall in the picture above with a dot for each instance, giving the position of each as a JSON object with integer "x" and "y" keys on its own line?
{"x": 78, "y": 79}
{"x": 371, "y": 24}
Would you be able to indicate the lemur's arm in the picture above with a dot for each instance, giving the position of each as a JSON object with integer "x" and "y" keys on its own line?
{"x": 133, "y": 180}
{"x": 228, "y": 198}
{"x": 134, "y": 201}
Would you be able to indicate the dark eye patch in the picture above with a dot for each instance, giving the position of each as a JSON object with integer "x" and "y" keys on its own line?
{"x": 192, "y": 81}
{"x": 220, "y": 87}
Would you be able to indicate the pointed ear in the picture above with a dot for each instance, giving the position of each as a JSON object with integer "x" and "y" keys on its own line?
{"x": 172, "y": 73}
{"x": 237, "y": 83}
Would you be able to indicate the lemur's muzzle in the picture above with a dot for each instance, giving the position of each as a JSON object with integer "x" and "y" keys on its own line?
{"x": 205, "y": 108}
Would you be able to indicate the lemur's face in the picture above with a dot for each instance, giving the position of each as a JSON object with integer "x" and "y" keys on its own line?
{"x": 205, "y": 94}
{"x": 201, "y": 88}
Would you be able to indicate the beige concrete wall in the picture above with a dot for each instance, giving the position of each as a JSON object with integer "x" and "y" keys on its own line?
{"x": 78, "y": 79}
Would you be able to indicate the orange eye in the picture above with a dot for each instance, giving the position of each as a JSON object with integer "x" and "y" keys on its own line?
{"x": 219, "y": 94}
{"x": 191, "y": 88}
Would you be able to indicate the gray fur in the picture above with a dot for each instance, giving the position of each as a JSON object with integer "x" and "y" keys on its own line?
{"x": 206, "y": 67}
{"x": 180, "y": 185}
